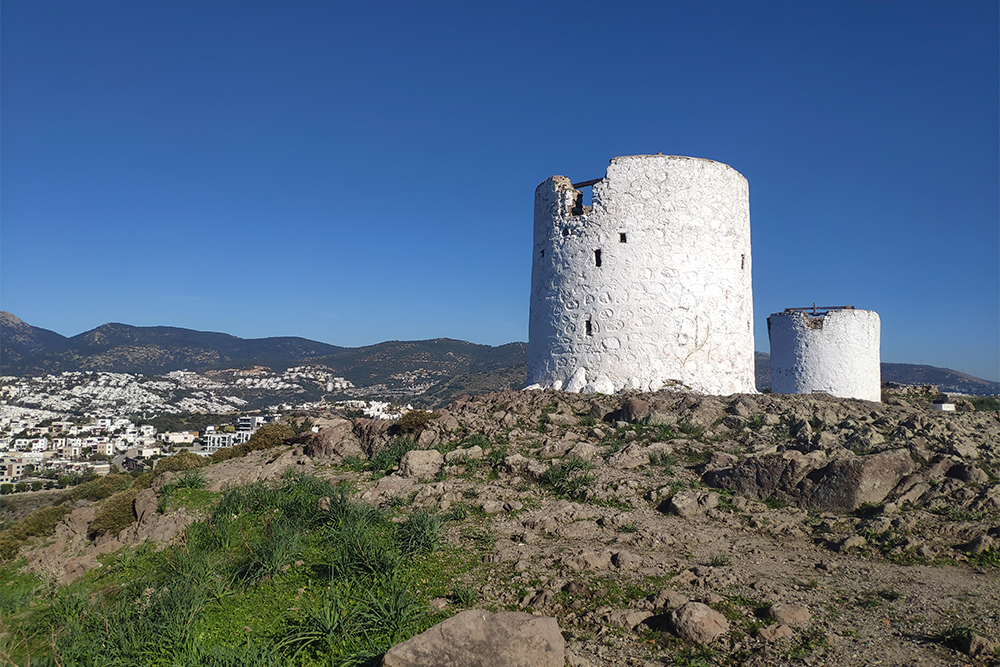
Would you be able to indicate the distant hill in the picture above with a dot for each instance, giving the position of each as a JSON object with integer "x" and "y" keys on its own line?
{"x": 26, "y": 350}
{"x": 122, "y": 348}
{"x": 945, "y": 378}
{"x": 449, "y": 367}
{"x": 18, "y": 339}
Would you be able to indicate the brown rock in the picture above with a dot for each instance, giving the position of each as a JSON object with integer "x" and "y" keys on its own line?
{"x": 560, "y": 419}
{"x": 789, "y": 614}
{"x": 634, "y": 410}
{"x": 699, "y": 623}
{"x": 624, "y": 560}
{"x": 846, "y": 484}
{"x": 692, "y": 503}
{"x": 969, "y": 474}
{"x": 478, "y": 638}
{"x": 668, "y": 599}
{"x": 587, "y": 560}
{"x": 336, "y": 441}
{"x": 421, "y": 463}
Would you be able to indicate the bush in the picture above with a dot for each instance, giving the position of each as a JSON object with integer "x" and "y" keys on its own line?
{"x": 568, "y": 477}
{"x": 179, "y": 462}
{"x": 985, "y": 403}
{"x": 266, "y": 437}
{"x": 101, "y": 488}
{"x": 115, "y": 514}
{"x": 414, "y": 421}
{"x": 38, "y": 523}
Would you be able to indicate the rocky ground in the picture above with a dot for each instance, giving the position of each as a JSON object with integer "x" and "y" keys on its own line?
{"x": 676, "y": 528}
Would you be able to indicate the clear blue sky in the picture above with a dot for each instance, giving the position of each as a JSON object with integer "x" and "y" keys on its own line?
{"x": 358, "y": 172}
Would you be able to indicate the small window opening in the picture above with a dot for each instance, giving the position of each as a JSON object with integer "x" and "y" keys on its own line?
{"x": 543, "y": 252}
{"x": 597, "y": 257}
{"x": 622, "y": 238}
{"x": 565, "y": 231}
{"x": 578, "y": 205}
{"x": 743, "y": 262}
{"x": 590, "y": 328}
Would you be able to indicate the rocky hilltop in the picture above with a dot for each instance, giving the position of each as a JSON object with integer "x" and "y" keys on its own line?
{"x": 669, "y": 528}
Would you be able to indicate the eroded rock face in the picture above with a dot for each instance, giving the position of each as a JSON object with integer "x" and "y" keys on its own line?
{"x": 847, "y": 484}
{"x": 478, "y": 638}
{"x": 812, "y": 481}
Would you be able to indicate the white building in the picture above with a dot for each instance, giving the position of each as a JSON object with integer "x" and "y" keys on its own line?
{"x": 835, "y": 351}
{"x": 178, "y": 438}
{"x": 216, "y": 440}
{"x": 650, "y": 286}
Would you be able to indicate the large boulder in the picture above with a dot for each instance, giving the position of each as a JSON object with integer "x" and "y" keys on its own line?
{"x": 421, "y": 463}
{"x": 478, "y": 638}
{"x": 335, "y": 442}
{"x": 846, "y": 484}
{"x": 765, "y": 477}
{"x": 699, "y": 623}
{"x": 812, "y": 481}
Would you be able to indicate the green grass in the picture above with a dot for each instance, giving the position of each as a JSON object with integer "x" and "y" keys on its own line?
{"x": 664, "y": 461}
{"x": 568, "y": 478}
{"x": 290, "y": 573}
{"x": 719, "y": 560}
{"x": 391, "y": 453}
{"x": 985, "y": 403}
{"x": 985, "y": 559}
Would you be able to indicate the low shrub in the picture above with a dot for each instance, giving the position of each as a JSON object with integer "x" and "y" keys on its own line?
{"x": 101, "y": 488}
{"x": 37, "y": 524}
{"x": 180, "y": 462}
{"x": 266, "y": 437}
{"x": 115, "y": 514}
{"x": 414, "y": 421}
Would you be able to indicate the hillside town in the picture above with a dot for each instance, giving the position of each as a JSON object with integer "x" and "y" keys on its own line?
{"x": 42, "y": 449}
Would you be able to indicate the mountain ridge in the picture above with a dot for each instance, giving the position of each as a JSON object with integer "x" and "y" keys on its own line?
{"x": 457, "y": 364}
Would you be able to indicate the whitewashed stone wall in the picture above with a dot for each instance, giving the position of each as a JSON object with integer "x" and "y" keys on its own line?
{"x": 671, "y": 301}
{"x": 837, "y": 353}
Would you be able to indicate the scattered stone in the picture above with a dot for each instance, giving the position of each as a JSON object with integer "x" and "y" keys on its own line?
{"x": 852, "y": 542}
{"x": 634, "y": 410}
{"x": 628, "y": 618}
{"x": 981, "y": 647}
{"x": 461, "y": 455}
{"x": 969, "y": 474}
{"x": 587, "y": 560}
{"x": 773, "y": 633}
{"x": 624, "y": 560}
{"x": 980, "y": 544}
{"x": 559, "y": 419}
